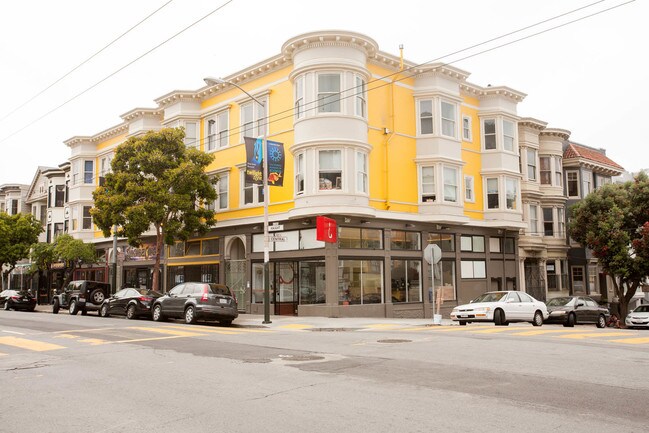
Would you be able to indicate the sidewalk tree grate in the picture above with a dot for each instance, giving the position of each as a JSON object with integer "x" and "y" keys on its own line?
{"x": 394, "y": 340}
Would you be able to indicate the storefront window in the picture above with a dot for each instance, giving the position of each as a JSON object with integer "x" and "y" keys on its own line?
{"x": 444, "y": 281}
{"x": 360, "y": 282}
{"x": 312, "y": 282}
{"x": 406, "y": 281}
{"x": 402, "y": 240}
{"x": 209, "y": 247}
{"x": 352, "y": 237}
{"x": 445, "y": 241}
{"x": 193, "y": 248}
{"x": 258, "y": 282}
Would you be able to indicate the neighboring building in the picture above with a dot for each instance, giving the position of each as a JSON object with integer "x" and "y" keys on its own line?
{"x": 586, "y": 169}
{"x": 13, "y": 198}
{"x": 542, "y": 245}
{"x": 400, "y": 158}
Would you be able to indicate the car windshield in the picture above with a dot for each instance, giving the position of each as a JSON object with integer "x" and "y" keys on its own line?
{"x": 642, "y": 309}
{"x": 560, "y": 302}
{"x": 219, "y": 289}
{"x": 490, "y": 297}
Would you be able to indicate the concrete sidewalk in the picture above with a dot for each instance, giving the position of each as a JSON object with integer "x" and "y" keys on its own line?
{"x": 296, "y": 322}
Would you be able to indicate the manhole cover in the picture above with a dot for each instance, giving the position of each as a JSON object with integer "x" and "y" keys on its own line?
{"x": 301, "y": 357}
{"x": 394, "y": 340}
{"x": 333, "y": 329}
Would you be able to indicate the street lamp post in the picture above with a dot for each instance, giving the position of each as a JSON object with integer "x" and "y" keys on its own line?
{"x": 264, "y": 151}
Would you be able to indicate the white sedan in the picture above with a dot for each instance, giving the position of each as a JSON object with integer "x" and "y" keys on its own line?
{"x": 502, "y": 308}
{"x": 638, "y": 318}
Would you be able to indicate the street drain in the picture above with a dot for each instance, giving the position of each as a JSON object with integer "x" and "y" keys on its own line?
{"x": 299, "y": 358}
{"x": 394, "y": 340}
{"x": 333, "y": 329}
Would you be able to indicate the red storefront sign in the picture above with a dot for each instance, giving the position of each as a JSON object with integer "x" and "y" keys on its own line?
{"x": 326, "y": 229}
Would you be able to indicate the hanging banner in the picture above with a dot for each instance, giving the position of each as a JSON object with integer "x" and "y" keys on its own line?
{"x": 326, "y": 229}
{"x": 255, "y": 158}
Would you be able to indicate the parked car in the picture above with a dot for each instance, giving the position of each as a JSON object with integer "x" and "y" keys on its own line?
{"x": 129, "y": 302}
{"x": 638, "y": 318}
{"x": 575, "y": 310}
{"x": 17, "y": 299}
{"x": 81, "y": 295}
{"x": 502, "y": 308}
{"x": 197, "y": 301}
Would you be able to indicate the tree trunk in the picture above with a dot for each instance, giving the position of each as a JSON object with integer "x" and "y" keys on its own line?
{"x": 68, "y": 274}
{"x": 156, "y": 266}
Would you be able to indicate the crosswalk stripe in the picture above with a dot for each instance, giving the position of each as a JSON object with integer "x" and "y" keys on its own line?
{"x": 495, "y": 330}
{"x": 437, "y": 328}
{"x": 23, "y": 343}
{"x": 168, "y": 331}
{"x": 67, "y": 336}
{"x": 581, "y": 336}
{"x": 3, "y": 354}
{"x": 545, "y": 331}
{"x": 383, "y": 326}
{"x": 639, "y": 340}
{"x": 296, "y": 326}
{"x": 93, "y": 341}
{"x": 225, "y": 330}
{"x": 213, "y": 331}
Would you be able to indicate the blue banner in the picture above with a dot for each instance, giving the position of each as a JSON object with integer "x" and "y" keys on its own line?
{"x": 255, "y": 159}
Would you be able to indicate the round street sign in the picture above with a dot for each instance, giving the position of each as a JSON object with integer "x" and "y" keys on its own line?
{"x": 432, "y": 254}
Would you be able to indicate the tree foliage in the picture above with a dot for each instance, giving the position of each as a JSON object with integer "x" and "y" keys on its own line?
{"x": 65, "y": 249}
{"x": 17, "y": 234}
{"x": 613, "y": 222}
{"x": 156, "y": 181}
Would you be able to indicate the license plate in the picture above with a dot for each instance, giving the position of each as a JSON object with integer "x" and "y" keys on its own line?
{"x": 463, "y": 315}
{"x": 223, "y": 301}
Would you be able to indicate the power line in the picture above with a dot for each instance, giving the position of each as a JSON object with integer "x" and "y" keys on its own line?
{"x": 117, "y": 71}
{"x": 82, "y": 63}
{"x": 237, "y": 129}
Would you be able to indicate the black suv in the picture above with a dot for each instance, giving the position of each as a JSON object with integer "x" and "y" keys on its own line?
{"x": 81, "y": 295}
{"x": 197, "y": 301}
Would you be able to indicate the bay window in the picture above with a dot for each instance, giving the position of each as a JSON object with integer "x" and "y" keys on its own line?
{"x": 428, "y": 184}
{"x": 546, "y": 170}
{"x": 299, "y": 174}
{"x": 448, "y": 119}
{"x": 509, "y": 136}
{"x": 493, "y": 198}
{"x": 511, "y": 191}
{"x": 450, "y": 184}
{"x": 489, "y": 133}
{"x": 299, "y": 97}
{"x": 191, "y": 134}
{"x": 329, "y": 87}
{"x": 426, "y": 116}
{"x": 329, "y": 169}
{"x": 360, "y": 105}
{"x": 531, "y": 164}
{"x": 361, "y": 172}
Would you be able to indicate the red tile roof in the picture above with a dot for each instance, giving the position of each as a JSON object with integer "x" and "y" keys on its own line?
{"x": 576, "y": 151}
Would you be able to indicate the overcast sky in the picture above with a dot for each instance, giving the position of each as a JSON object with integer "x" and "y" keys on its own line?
{"x": 588, "y": 77}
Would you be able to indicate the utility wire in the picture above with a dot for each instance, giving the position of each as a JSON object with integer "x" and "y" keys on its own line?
{"x": 117, "y": 71}
{"x": 82, "y": 63}
{"x": 318, "y": 104}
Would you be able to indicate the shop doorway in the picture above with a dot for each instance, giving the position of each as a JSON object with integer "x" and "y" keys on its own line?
{"x": 285, "y": 288}
{"x": 235, "y": 273}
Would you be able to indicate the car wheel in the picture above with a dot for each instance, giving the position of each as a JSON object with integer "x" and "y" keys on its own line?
{"x": 156, "y": 314}
{"x": 570, "y": 321}
{"x": 130, "y": 312}
{"x": 56, "y": 306}
{"x": 538, "y": 319}
{"x": 225, "y": 322}
{"x": 190, "y": 315}
{"x": 499, "y": 317}
{"x": 103, "y": 311}
{"x": 601, "y": 321}
{"x": 462, "y": 323}
{"x": 97, "y": 297}
{"x": 74, "y": 309}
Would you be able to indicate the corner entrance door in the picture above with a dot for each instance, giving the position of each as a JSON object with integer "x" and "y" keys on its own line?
{"x": 286, "y": 288}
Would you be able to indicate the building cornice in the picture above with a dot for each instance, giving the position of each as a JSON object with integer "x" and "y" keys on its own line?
{"x": 138, "y": 113}
{"x": 328, "y": 38}
{"x": 103, "y": 135}
{"x": 532, "y": 123}
{"x": 563, "y": 134}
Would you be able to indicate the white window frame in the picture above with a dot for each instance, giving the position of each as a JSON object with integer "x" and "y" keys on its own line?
{"x": 362, "y": 172}
{"x": 210, "y": 134}
{"x": 256, "y": 125}
{"x": 299, "y": 98}
{"x": 447, "y": 122}
{"x": 558, "y": 171}
{"x": 534, "y": 219}
{"x": 487, "y": 192}
{"x": 576, "y": 180}
{"x": 360, "y": 99}
{"x": 467, "y": 123}
{"x": 505, "y": 137}
{"x": 429, "y": 196}
{"x": 420, "y": 118}
{"x": 561, "y": 222}
{"x": 469, "y": 189}
{"x": 87, "y": 173}
{"x": 483, "y": 130}
{"x": 531, "y": 165}
{"x": 548, "y": 171}
{"x": 336, "y": 185}
{"x": 256, "y": 188}
{"x": 509, "y": 203}
{"x": 473, "y": 269}
{"x": 192, "y": 140}
{"x": 335, "y": 106}
{"x": 587, "y": 182}
{"x": 450, "y": 186}
{"x": 85, "y": 218}
{"x": 300, "y": 183}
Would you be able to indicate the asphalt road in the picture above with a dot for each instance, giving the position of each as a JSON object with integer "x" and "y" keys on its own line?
{"x": 61, "y": 373}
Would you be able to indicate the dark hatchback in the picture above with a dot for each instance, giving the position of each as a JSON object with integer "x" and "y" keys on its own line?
{"x": 129, "y": 302}
{"x": 197, "y": 301}
{"x": 18, "y": 300}
{"x": 576, "y": 310}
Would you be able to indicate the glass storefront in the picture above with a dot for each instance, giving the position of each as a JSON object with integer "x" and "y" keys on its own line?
{"x": 360, "y": 282}
{"x": 406, "y": 281}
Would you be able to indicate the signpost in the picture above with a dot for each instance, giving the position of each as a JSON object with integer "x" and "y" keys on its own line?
{"x": 432, "y": 255}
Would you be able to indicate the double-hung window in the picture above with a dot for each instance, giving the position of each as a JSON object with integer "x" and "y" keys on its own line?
{"x": 469, "y": 192}
{"x": 360, "y": 106}
{"x": 426, "y": 116}
{"x": 299, "y": 174}
{"x": 330, "y": 169}
{"x": 252, "y": 193}
{"x": 88, "y": 172}
{"x": 557, "y": 171}
{"x": 534, "y": 218}
{"x": 450, "y": 184}
{"x": 466, "y": 128}
{"x": 222, "y": 189}
{"x": 509, "y": 135}
{"x": 587, "y": 182}
{"x": 546, "y": 170}
{"x": 448, "y": 119}
{"x": 561, "y": 221}
{"x": 87, "y": 218}
{"x": 248, "y": 120}
{"x": 548, "y": 221}
{"x": 428, "y": 184}
{"x": 489, "y": 132}
{"x": 573, "y": 183}
{"x": 211, "y": 134}
{"x": 493, "y": 198}
{"x": 329, "y": 87}
{"x": 531, "y": 164}
{"x": 223, "y": 128}
{"x": 511, "y": 190}
{"x": 361, "y": 172}
{"x": 299, "y": 97}
{"x": 191, "y": 134}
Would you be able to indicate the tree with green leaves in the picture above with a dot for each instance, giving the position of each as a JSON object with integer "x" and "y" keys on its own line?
{"x": 72, "y": 253}
{"x": 613, "y": 221}
{"x": 17, "y": 234}
{"x": 156, "y": 182}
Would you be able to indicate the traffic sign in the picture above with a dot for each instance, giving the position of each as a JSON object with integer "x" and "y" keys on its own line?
{"x": 276, "y": 227}
{"x": 276, "y": 237}
{"x": 432, "y": 254}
